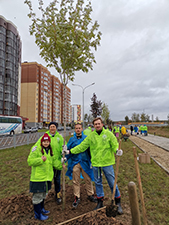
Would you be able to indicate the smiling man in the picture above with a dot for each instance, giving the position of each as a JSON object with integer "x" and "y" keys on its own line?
{"x": 103, "y": 145}
{"x": 80, "y": 163}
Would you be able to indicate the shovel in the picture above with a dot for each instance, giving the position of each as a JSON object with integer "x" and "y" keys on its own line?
{"x": 112, "y": 210}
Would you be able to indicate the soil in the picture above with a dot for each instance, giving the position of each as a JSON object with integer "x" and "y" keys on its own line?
{"x": 19, "y": 210}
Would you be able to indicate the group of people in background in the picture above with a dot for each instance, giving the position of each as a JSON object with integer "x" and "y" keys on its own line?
{"x": 87, "y": 156}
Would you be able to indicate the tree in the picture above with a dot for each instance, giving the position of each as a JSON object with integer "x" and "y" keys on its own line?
{"x": 135, "y": 117}
{"x": 168, "y": 119}
{"x": 105, "y": 113}
{"x": 127, "y": 120}
{"x": 143, "y": 117}
{"x": 96, "y": 106}
{"x": 65, "y": 36}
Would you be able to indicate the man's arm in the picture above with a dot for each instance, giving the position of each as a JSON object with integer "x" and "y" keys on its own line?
{"x": 82, "y": 147}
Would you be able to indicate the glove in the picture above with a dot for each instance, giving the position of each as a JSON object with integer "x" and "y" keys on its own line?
{"x": 119, "y": 152}
{"x": 65, "y": 150}
{"x": 63, "y": 160}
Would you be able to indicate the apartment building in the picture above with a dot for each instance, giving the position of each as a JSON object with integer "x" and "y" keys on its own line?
{"x": 10, "y": 68}
{"x": 76, "y": 113}
{"x": 41, "y": 95}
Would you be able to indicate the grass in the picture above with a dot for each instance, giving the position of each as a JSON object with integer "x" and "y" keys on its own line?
{"x": 15, "y": 175}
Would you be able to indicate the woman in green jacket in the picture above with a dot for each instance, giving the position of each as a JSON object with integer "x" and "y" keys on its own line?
{"x": 42, "y": 161}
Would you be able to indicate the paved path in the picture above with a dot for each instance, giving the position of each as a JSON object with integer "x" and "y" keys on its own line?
{"x": 157, "y": 140}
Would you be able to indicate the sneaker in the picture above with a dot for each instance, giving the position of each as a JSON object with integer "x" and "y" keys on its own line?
{"x": 58, "y": 198}
{"x": 76, "y": 202}
{"x": 92, "y": 198}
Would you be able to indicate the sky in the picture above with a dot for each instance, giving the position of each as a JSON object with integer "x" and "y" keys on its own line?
{"x": 132, "y": 70}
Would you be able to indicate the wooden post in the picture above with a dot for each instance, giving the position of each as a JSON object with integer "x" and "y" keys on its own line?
{"x": 140, "y": 186}
{"x": 134, "y": 204}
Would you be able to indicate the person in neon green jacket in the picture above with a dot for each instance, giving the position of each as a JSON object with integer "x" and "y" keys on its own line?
{"x": 117, "y": 131}
{"x": 56, "y": 144}
{"x": 103, "y": 145}
{"x": 42, "y": 161}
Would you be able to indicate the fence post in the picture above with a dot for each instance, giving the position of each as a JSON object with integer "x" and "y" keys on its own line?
{"x": 14, "y": 141}
{"x": 134, "y": 204}
{"x": 27, "y": 139}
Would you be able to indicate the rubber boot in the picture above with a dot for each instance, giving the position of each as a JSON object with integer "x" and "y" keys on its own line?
{"x": 58, "y": 198}
{"x": 99, "y": 203}
{"x": 118, "y": 203}
{"x": 38, "y": 212}
{"x": 43, "y": 210}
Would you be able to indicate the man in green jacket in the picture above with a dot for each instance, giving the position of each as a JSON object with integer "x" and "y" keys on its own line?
{"x": 103, "y": 144}
{"x": 56, "y": 144}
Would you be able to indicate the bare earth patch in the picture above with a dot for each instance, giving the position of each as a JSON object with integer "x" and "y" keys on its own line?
{"x": 19, "y": 210}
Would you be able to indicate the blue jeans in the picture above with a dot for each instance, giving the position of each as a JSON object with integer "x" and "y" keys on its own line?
{"x": 57, "y": 180}
{"x": 109, "y": 174}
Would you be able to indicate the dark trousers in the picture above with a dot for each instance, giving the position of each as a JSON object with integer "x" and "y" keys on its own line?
{"x": 57, "y": 180}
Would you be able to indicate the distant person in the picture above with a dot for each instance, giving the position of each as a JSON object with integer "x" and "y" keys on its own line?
{"x": 141, "y": 129}
{"x": 42, "y": 161}
{"x": 117, "y": 130}
{"x": 103, "y": 145}
{"x": 145, "y": 130}
{"x": 136, "y": 129}
{"x": 131, "y": 129}
{"x": 110, "y": 128}
{"x": 80, "y": 164}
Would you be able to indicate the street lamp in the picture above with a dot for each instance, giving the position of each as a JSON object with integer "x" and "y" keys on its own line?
{"x": 83, "y": 89}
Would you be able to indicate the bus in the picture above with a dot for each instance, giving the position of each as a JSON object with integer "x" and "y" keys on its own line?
{"x": 10, "y": 125}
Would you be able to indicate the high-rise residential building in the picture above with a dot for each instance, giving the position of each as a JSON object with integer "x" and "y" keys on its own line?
{"x": 41, "y": 95}
{"x": 76, "y": 113}
{"x": 10, "y": 68}
{"x": 67, "y": 104}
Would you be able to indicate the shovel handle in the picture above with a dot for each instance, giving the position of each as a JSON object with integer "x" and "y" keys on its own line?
{"x": 117, "y": 170}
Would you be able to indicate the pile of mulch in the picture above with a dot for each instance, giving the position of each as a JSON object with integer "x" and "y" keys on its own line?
{"x": 19, "y": 210}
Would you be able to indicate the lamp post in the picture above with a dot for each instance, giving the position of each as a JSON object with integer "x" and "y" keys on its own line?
{"x": 83, "y": 89}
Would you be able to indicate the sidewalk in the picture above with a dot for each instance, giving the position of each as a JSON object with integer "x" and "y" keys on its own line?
{"x": 157, "y": 140}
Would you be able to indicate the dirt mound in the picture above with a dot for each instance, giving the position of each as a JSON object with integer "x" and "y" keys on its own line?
{"x": 19, "y": 210}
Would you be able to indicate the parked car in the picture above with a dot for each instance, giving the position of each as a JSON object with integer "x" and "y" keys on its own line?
{"x": 68, "y": 128}
{"x": 59, "y": 128}
{"x": 34, "y": 129}
{"x": 27, "y": 130}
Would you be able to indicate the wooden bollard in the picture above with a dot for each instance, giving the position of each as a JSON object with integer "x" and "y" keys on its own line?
{"x": 134, "y": 206}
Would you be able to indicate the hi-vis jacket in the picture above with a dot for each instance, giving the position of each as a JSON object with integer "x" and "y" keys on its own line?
{"x": 56, "y": 144}
{"x": 41, "y": 171}
{"x": 102, "y": 148}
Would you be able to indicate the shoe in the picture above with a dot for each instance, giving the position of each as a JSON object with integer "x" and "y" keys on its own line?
{"x": 118, "y": 203}
{"x": 99, "y": 203}
{"x": 43, "y": 210}
{"x": 38, "y": 212}
{"x": 76, "y": 202}
{"x": 58, "y": 198}
{"x": 92, "y": 198}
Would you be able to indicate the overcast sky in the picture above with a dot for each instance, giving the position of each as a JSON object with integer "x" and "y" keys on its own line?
{"x": 132, "y": 70}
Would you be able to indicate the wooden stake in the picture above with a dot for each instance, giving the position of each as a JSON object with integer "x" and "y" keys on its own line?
{"x": 134, "y": 204}
{"x": 140, "y": 186}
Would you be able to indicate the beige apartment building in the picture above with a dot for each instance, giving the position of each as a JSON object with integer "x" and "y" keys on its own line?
{"x": 42, "y": 95}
